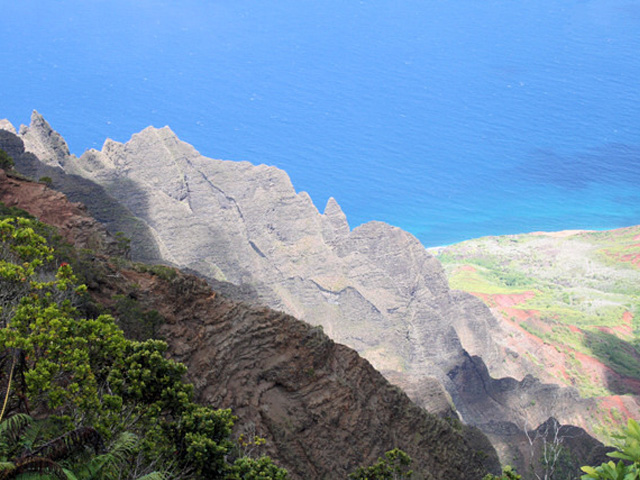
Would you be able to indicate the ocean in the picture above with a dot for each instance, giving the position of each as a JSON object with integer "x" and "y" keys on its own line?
{"x": 450, "y": 119}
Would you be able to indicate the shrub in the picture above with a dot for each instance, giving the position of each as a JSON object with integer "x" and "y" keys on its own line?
{"x": 6, "y": 162}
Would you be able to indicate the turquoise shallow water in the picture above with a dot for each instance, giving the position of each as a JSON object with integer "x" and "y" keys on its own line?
{"x": 449, "y": 119}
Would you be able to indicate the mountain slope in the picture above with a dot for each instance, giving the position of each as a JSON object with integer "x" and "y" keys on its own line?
{"x": 571, "y": 298}
{"x": 322, "y": 408}
{"x": 374, "y": 288}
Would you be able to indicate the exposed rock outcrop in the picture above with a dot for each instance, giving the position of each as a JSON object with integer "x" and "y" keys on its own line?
{"x": 322, "y": 408}
{"x": 102, "y": 206}
{"x": 374, "y": 288}
{"x": 51, "y": 207}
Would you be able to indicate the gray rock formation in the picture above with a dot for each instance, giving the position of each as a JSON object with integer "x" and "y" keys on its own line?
{"x": 6, "y": 125}
{"x": 374, "y": 288}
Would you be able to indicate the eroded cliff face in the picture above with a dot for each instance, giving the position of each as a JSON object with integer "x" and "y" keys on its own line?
{"x": 322, "y": 408}
{"x": 374, "y": 288}
{"x": 51, "y": 207}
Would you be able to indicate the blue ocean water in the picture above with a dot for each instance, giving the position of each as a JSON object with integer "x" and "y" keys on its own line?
{"x": 451, "y": 119}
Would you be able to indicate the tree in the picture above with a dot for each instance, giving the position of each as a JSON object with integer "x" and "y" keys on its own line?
{"x": 394, "y": 466}
{"x": 548, "y": 457}
{"x": 262, "y": 468}
{"x": 6, "y": 162}
{"x": 86, "y": 381}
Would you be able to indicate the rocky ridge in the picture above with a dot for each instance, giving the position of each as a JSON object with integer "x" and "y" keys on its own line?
{"x": 322, "y": 408}
{"x": 374, "y": 288}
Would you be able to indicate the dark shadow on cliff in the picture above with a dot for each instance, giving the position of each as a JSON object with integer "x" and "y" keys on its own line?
{"x": 620, "y": 356}
{"x": 102, "y": 206}
{"x": 505, "y": 409}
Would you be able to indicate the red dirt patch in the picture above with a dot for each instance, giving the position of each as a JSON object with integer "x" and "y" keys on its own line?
{"x": 615, "y": 401}
{"x": 511, "y": 299}
{"x": 633, "y": 258}
{"x": 625, "y": 329}
{"x": 504, "y": 300}
{"x": 468, "y": 268}
{"x": 505, "y": 305}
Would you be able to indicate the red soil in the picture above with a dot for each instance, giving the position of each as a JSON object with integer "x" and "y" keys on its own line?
{"x": 505, "y": 303}
{"x": 512, "y": 299}
{"x": 623, "y": 405}
{"x": 504, "y": 300}
{"x": 626, "y": 327}
{"x": 554, "y": 361}
{"x": 633, "y": 258}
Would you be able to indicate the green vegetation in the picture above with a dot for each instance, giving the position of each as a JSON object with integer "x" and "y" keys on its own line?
{"x": 106, "y": 406}
{"x": 588, "y": 281}
{"x": 628, "y": 453}
{"x": 6, "y": 212}
{"x": 6, "y": 162}
{"x": 482, "y": 274}
{"x": 161, "y": 271}
{"x": 138, "y": 323}
{"x": 394, "y": 466}
{"x": 508, "y": 473}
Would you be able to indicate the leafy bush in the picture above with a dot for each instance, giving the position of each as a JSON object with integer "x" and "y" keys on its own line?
{"x": 6, "y": 162}
{"x": 394, "y": 465}
{"x": 84, "y": 380}
{"x": 628, "y": 451}
{"x": 508, "y": 473}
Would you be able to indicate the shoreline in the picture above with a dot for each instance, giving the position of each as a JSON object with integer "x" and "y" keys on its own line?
{"x": 539, "y": 233}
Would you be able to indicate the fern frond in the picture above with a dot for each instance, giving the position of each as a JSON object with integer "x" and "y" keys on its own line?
{"x": 36, "y": 466}
{"x": 71, "y": 442}
{"x": 70, "y": 475}
{"x": 153, "y": 476}
{"x": 108, "y": 464}
{"x": 11, "y": 430}
{"x": 124, "y": 446}
{"x": 31, "y": 433}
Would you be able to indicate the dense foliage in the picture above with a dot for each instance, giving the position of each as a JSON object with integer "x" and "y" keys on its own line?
{"x": 79, "y": 400}
{"x": 394, "y": 466}
{"x": 6, "y": 162}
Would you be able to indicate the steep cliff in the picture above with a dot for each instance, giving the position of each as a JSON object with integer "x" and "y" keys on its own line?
{"x": 322, "y": 408}
{"x": 374, "y": 288}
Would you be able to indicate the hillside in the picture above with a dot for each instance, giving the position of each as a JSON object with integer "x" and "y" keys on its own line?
{"x": 322, "y": 408}
{"x": 570, "y": 302}
{"x": 374, "y": 288}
